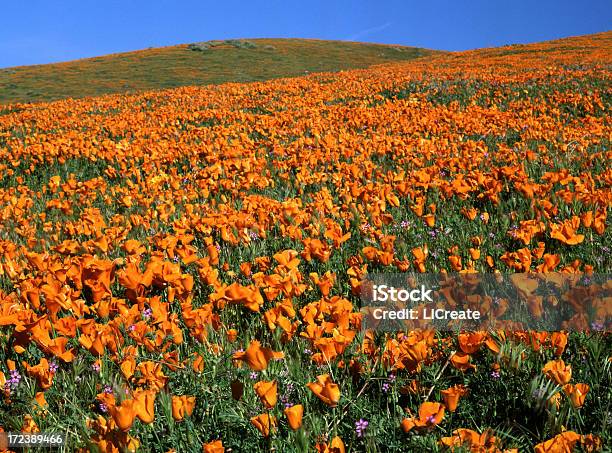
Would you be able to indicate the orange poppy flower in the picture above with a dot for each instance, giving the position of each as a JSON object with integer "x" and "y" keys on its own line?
{"x": 232, "y": 334}
{"x": 124, "y": 414}
{"x": 599, "y": 224}
{"x": 455, "y": 262}
{"x": 550, "y": 263}
{"x": 554, "y": 401}
{"x": 325, "y": 282}
{"x": 527, "y": 230}
{"x": 256, "y": 357}
{"x": 413, "y": 353}
{"x": 537, "y": 339}
{"x": 335, "y": 446}
{"x": 564, "y": 442}
{"x": 577, "y": 393}
{"x": 452, "y": 395}
{"x": 469, "y": 213}
{"x": 128, "y": 366}
{"x": 198, "y": 363}
{"x": 430, "y": 414}
{"x": 492, "y": 344}
{"x": 40, "y": 403}
{"x": 98, "y": 276}
{"x": 152, "y": 375}
{"x": 144, "y": 405}
{"x": 42, "y": 373}
{"x": 29, "y": 425}
{"x": 325, "y": 389}
{"x": 474, "y": 253}
{"x": 420, "y": 255}
{"x": 472, "y": 341}
{"x": 335, "y": 233}
{"x": 566, "y": 231}
{"x": 216, "y": 446}
{"x": 461, "y": 361}
{"x": 267, "y": 393}
{"x": 182, "y": 406}
{"x": 591, "y": 443}
{"x": 93, "y": 345}
{"x": 430, "y": 220}
{"x": 418, "y": 206}
{"x": 558, "y": 371}
{"x": 378, "y": 256}
{"x": 485, "y": 442}
{"x": 315, "y": 248}
{"x": 558, "y": 341}
{"x": 294, "y": 416}
{"x": 520, "y": 260}
{"x": 264, "y": 423}
{"x": 538, "y": 252}
{"x": 249, "y": 296}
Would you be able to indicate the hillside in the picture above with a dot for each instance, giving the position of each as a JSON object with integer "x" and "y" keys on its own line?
{"x": 185, "y": 269}
{"x": 212, "y": 62}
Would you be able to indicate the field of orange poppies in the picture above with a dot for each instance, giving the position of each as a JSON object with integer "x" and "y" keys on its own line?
{"x": 180, "y": 269}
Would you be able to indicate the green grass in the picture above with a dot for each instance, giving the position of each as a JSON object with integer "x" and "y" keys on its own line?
{"x": 169, "y": 67}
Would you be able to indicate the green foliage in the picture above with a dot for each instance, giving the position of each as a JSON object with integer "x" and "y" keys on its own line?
{"x": 200, "y": 63}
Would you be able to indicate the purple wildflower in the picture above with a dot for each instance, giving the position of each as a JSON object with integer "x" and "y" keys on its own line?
{"x": 360, "y": 427}
{"x": 14, "y": 380}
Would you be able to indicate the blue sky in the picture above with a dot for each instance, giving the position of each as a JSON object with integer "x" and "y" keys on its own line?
{"x": 33, "y": 31}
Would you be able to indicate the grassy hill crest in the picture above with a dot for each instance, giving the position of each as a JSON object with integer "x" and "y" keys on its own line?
{"x": 203, "y": 63}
